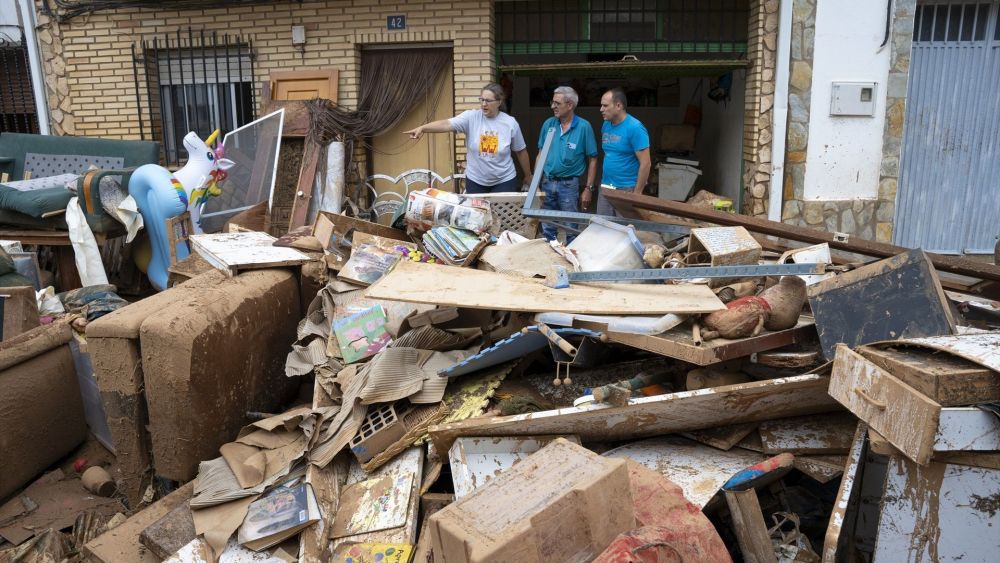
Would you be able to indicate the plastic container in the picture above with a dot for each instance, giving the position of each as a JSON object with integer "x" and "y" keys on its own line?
{"x": 676, "y": 180}
{"x": 604, "y": 246}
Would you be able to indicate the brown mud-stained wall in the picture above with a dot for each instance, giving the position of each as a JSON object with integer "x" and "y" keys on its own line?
{"x": 212, "y": 358}
{"x": 41, "y": 412}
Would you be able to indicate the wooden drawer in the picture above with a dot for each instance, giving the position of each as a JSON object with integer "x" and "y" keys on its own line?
{"x": 912, "y": 422}
{"x": 943, "y": 378}
{"x": 892, "y": 408}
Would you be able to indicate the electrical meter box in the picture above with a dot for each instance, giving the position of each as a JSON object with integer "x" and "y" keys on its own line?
{"x": 853, "y": 98}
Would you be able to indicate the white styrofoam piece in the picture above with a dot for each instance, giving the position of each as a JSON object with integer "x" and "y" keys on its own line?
{"x": 936, "y": 513}
{"x": 698, "y": 469}
{"x": 475, "y": 461}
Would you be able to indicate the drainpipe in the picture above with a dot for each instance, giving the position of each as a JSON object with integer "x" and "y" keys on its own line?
{"x": 780, "y": 112}
{"x": 27, "y": 10}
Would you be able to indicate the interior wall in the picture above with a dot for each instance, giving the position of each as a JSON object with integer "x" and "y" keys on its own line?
{"x": 720, "y": 142}
{"x": 718, "y": 145}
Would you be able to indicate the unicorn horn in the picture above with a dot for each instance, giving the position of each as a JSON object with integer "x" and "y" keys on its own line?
{"x": 211, "y": 138}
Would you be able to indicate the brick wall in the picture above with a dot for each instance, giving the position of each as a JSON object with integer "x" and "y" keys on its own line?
{"x": 89, "y": 67}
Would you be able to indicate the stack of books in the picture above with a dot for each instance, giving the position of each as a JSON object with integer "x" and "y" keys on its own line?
{"x": 451, "y": 244}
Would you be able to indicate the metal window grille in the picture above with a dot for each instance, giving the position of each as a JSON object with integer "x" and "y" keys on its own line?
{"x": 614, "y": 26}
{"x": 953, "y": 22}
{"x": 17, "y": 99}
{"x": 194, "y": 82}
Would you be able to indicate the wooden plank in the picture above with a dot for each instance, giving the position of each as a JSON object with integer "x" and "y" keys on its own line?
{"x": 307, "y": 180}
{"x": 677, "y": 343}
{"x": 122, "y": 542}
{"x": 825, "y": 434}
{"x": 899, "y": 297}
{"x": 723, "y": 438}
{"x": 464, "y": 287}
{"x": 43, "y": 238}
{"x": 822, "y": 468}
{"x": 657, "y": 415}
{"x": 748, "y": 523}
{"x": 906, "y": 418}
{"x": 629, "y": 204}
{"x": 849, "y": 487}
{"x": 946, "y": 379}
{"x": 938, "y": 512}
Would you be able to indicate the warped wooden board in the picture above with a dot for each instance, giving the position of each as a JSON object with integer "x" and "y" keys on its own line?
{"x": 464, "y": 287}
{"x": 659, "y": 414}
{"x": 677, "y": 343}
{"x": 982, "y": 348}
{"x": 900, "y": 413}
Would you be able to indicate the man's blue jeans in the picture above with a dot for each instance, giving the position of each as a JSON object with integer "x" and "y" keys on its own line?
{"x": 560, "y": 195}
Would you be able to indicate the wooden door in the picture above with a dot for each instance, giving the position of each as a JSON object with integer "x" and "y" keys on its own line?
{"x": 394, "y": 153}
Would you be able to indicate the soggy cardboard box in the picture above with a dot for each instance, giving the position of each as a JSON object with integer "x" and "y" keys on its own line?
{"x": 563, "y": 503}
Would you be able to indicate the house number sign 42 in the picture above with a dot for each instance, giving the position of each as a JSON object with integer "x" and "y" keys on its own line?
{"x": 395, "y": 22}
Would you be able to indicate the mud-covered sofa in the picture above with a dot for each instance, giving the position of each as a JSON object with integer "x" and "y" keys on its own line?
{"x": 180, "y": 370}
{"x": 41, "y": 411}
{"x": 51, "y": 161}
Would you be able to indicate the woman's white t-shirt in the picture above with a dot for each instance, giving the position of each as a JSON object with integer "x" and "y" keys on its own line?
{"x": 488, "y": 143}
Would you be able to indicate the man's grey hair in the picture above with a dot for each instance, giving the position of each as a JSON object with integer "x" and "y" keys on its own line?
{"x": 569, "y": 94}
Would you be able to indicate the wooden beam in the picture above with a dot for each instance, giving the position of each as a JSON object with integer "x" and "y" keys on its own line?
{"x": 629, "y": 204}
{"x": 658, "y": 415}
{"x": 307, "y": 181}
{"x": 751, "y": 530}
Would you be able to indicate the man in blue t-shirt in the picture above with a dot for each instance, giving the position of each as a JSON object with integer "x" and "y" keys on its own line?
{"x": 573, "y": 149}
{"x": 626, "y": 149}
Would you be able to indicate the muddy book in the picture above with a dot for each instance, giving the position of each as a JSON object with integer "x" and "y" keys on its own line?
{"x": 280, "y": 514}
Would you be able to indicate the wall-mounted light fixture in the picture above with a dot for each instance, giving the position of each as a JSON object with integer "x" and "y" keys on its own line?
{"x": 299, "y": 38}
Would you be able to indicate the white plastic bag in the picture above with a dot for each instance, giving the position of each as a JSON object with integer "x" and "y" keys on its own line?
{"x": 48, "y": 303}
{"x": 88, "y": 256}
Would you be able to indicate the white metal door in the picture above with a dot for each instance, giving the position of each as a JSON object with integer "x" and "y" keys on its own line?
{"x": 949, "y": 182}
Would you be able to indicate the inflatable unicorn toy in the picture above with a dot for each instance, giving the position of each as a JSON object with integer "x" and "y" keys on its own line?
{"x": 160, "y": 195}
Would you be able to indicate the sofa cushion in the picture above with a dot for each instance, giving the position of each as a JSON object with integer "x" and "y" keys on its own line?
{"x": 41, "y": 165}
{"x": 34, "y": 203}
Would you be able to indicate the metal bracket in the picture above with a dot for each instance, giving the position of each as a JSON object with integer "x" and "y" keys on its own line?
{"x": 553, "y": 216}
{"x": 694, "y": 273}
